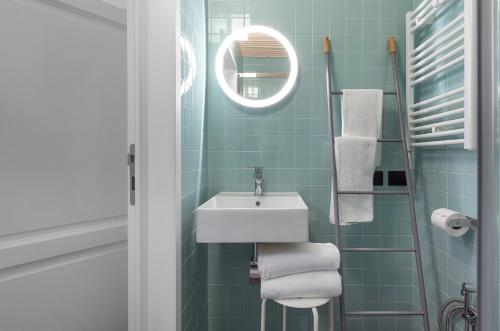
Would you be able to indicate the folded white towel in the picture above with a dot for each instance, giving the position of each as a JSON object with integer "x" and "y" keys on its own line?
{"x": 355, "y": 158}
{"x": 276, "y": 260}
{"x": 318, "y": 284}
{"x": 362, "y": 115}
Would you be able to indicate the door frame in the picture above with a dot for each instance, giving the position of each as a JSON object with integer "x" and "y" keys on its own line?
{"x": 154, "y": 128}
{"x": 487, "y": 277}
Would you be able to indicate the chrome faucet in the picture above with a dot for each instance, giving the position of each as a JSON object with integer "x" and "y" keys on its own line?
{"x": 258, "y": 180}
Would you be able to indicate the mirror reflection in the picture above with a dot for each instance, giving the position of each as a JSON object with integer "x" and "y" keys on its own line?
{"x": 256, "y": 65}
{"x": 188, "y": 65}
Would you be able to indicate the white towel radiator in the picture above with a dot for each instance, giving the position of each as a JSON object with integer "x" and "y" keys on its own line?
{"x": 423, "y": 311}
{"x": 449, "y": 118}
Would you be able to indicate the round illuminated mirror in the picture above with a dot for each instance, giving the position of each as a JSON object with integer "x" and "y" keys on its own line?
{"x": 256, "y": 66}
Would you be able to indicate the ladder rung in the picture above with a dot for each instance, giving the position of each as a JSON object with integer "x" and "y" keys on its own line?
{"x": 389, "y": 140}
{"x": 384, "y": 313}
{"x": 379, "y": 250}
{"x": 341, "y": 93}
{"x": 375, "y": 192}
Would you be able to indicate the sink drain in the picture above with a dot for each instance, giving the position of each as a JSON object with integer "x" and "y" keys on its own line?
{"x": 257, "y": 203}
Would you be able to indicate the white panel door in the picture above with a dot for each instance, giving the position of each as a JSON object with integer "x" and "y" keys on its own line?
{"x": 63, "y": 187}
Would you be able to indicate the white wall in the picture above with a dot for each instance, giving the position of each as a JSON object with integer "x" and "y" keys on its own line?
{"x": 118, "y": 3}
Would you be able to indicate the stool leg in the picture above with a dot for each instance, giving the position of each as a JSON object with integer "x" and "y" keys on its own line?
{"x": 263, "y": 316}
{"x": 315, "y": 319}
{"x": 330, "y": 315}
{"x": 284, "y": 318}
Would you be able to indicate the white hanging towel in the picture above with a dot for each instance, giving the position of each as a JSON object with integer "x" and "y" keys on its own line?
{"x": 362, "y": 115}
{"x": 355, "y": 158}
{"x": 281, "y": 259}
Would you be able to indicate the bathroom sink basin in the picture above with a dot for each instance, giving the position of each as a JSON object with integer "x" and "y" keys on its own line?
{"x": 246, "y": 218}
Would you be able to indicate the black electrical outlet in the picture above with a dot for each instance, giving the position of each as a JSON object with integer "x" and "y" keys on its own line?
{"x": 397, "y": 178}
{"x": 378, "y": 178}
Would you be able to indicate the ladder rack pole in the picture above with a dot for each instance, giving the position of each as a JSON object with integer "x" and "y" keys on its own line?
{"x": 335, "y": 201}
{"x": 409, "y": 183}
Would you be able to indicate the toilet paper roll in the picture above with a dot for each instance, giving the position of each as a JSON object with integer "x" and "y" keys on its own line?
{"x": 444, "y": 219}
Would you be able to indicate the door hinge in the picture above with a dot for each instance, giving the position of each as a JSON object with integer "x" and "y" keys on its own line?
{"x": 131, "y": 165}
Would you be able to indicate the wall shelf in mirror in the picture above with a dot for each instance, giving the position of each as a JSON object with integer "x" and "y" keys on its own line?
{"x": 263, "y": 74}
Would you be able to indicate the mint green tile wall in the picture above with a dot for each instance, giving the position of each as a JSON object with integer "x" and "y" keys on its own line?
{"x": 290, "y": 142}
{"x": 446, "y": 177}
{"x": 194, "y": 168}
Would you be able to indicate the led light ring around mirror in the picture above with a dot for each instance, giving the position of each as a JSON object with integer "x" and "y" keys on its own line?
{"x": 219, "y": 67}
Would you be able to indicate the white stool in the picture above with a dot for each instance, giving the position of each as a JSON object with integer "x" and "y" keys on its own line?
{"x": 309, "y": 303}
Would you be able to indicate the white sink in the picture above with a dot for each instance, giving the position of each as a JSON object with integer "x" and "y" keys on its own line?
{"x": 246, "y": 218}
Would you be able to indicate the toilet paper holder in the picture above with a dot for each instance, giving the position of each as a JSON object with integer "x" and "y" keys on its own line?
{"x": 462, "y": 222}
